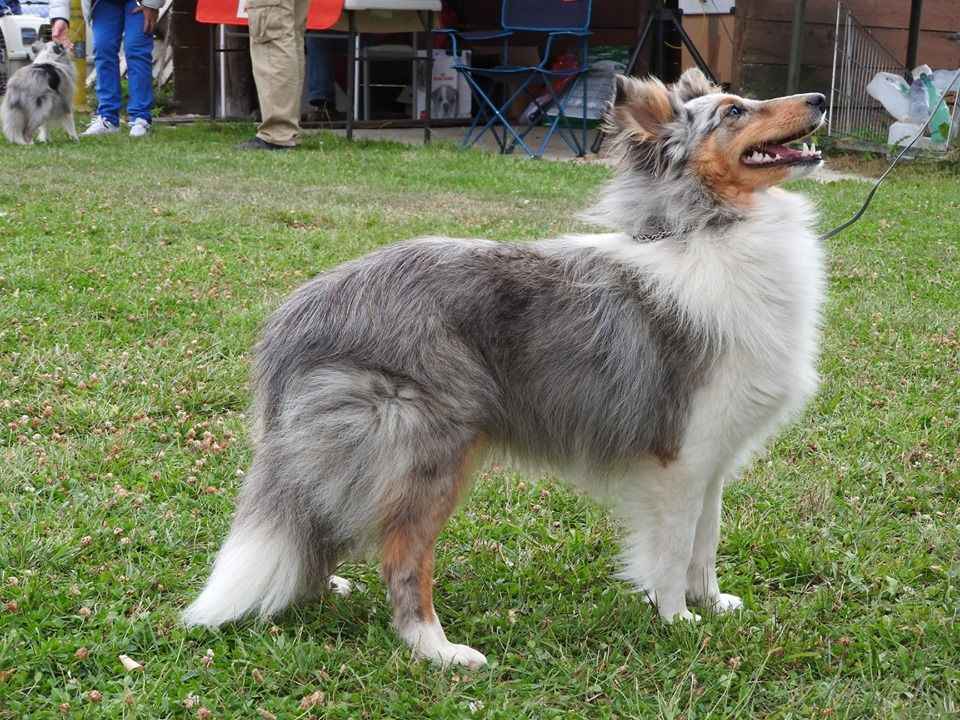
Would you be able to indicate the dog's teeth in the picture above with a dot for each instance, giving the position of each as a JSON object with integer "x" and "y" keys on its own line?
{"x": 813, "y": 147}
{"x": 757, "y": 156}
{"x": 806, "y": 150}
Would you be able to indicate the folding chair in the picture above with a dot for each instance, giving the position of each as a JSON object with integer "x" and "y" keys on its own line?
{"x": 548, "y": 85}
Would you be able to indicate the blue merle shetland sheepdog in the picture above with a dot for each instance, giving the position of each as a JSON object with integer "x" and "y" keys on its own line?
{"x": 647, "y": 362}
{"x": 39, "y": 94}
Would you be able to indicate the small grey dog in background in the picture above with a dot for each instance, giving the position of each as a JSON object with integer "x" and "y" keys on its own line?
{"x": 39, "y": 94}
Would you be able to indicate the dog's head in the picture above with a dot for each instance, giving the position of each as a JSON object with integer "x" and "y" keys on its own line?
{"x": 51, "y": 52}
{"x": 731, "y": 145}
{"x": 445, "y": 101}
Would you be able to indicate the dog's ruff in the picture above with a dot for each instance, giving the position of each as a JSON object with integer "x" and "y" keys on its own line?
{"x": 40, "y": 94}
{"x": 648, "y": 370}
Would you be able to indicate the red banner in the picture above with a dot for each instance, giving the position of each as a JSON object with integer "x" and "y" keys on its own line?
{"x": 323, "y": 13}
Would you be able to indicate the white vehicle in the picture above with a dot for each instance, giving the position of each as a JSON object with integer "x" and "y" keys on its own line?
{"x": 17, "y": 35}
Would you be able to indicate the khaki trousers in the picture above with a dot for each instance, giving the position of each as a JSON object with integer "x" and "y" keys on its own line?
{"x": 276, "y": 53}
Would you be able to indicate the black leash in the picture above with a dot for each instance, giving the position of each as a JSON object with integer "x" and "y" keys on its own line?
{"x": 876, "y": 185}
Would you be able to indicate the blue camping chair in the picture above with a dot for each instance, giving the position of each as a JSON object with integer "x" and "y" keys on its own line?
{"x": 496, "y": 88}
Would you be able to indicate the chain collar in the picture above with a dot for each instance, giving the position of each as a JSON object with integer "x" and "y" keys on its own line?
{"x": 652, "y": 237}
{"x": 662, "y": 235}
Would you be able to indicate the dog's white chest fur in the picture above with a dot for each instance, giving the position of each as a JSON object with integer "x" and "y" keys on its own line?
{"x": 755, "y": 288}
{"x": 762, "y": 295}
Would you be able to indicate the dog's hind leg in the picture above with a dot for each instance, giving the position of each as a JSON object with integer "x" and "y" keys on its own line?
{"x": 12, "y": 119}
{"x": 21, "y": 135}
{"x": 662, "y": 509}
{"x": 338, "y": 585}
{"x": 408, "y": 544}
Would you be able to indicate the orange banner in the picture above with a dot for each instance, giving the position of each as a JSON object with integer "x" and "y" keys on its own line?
{"x": 323, "y": 13}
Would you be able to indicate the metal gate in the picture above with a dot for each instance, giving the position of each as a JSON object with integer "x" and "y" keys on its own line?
{"x": 857, "y": 57}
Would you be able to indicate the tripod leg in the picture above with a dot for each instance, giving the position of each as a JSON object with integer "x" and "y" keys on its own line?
{"x": 597, "y": 141}
{"x": 694, "y": 53}
{"x": 641, "y": 41}
{"x": 654, "y": 16}
{"x": 631, "y": 67}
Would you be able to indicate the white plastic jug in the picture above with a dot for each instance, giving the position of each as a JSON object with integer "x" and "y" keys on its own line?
{"x": 902, "y": 132}
{"x": 891, "y": 91}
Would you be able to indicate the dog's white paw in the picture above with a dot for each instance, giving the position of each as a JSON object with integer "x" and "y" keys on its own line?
{"x": 725, "y": 603}
{"x": 682, "y": 615}
{"x": 451, "y": 654}
{"x": 339, "y": 585}
{"x": 429, "y": 641}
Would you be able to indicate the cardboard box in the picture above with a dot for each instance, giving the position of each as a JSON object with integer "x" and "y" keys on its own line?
{"x": 450, "y": 97}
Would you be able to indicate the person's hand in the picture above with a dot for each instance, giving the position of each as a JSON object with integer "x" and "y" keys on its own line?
{"x": 60, "y": 32}
{"x": 150, "y": 18}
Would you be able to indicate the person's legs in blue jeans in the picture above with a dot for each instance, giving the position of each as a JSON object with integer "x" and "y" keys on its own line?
{"x": 107, "y": 22}
{"x": 138, "y": 48}
{"x": 320, "y": 88}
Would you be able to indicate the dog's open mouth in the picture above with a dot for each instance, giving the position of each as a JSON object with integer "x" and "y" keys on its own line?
{"x": 774, "y": 155}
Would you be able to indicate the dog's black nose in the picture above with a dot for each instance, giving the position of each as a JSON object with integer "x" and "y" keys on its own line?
{"x": 818, "y": 101}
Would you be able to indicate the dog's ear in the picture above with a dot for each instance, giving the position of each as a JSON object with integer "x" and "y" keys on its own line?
{"x": 693, "y": 84}
{"x": 639, "y": 109}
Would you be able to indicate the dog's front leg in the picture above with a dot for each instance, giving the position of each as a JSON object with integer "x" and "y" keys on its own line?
{"x": 662, "y": 509}
{"x": 44, "y": 135}
{"x": 70, "y": 126}
{"x": 702, "y": 586}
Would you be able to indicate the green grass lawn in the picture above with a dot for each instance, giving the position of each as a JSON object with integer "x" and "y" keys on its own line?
{"x": 133, "y": 277}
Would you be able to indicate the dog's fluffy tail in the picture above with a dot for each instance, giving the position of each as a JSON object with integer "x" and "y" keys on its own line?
{"x": 258, "y": 570}
{"x": 316, "y": 491}
{"x": 283, "y": 544}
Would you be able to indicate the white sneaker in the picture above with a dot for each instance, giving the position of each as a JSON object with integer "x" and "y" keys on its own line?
{"x": 139, "y": 128}
{"x": 100, "y": 126}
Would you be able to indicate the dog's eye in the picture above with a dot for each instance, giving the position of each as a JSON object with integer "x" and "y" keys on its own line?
{"x": 735, "y": 111}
